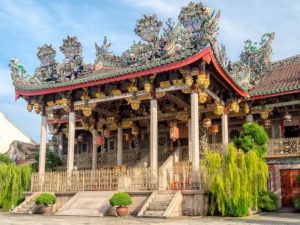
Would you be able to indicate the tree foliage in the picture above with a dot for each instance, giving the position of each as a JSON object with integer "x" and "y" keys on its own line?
{"x": 4, "y": 159}
{"x": 120, "y": 199}
{"x": 235, "y": 180}
{"x": 267, "y": 201}
{"x": 253, "y": 137}
{"x": 14, "y": 180}
{"x": 52, "y": 161}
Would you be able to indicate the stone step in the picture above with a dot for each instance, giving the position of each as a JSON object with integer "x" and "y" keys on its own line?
{"x": 159, "y": 203}
{"x": 157, "y": 207}
{"x": 162, "y": 199}
{"x": 153, "y": 213}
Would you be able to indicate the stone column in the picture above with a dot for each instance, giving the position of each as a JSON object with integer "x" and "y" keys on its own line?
{"x": 61, "y": 144}
{"x": 43, "y": 145}
{"x": 120, "y": 147}
{"x": 71, "y": 142}
{"x": 195, "y": 139}
{"x": 190, "y": 140}
{"x": 153, "y": 137}
{"x": 225, "y": 130}
{"x": 94, "y": 150}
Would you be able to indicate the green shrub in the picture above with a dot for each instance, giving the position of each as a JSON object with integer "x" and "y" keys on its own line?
{"x": 253, "y": 137}
{"x": 297, "y": 204}
{"x": 52, "y": 161}
{"x": 120, "y": 199}
{"x": 234, "y": 180}
{"x": 45, "y": 199}
{"x": 267, "y": 201}
{"x": 4, "y": 159}
{"x": 14, "y": 180}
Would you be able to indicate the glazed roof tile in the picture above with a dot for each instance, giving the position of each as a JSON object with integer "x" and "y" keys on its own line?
{"x": 283, "y": 76}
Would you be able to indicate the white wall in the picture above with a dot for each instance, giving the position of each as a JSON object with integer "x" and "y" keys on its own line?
{"x": 9, "y": 133}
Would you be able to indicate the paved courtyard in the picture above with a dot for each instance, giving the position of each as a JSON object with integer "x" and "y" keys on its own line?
{"x": 264, "y": 219}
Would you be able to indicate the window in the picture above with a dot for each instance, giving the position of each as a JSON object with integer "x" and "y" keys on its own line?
{"x": 234, "y": 133}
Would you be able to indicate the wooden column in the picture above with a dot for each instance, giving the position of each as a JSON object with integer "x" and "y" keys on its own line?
{"x": 94, "y": 150}
{"x": 71, "y": 142}
{"x": 43, "y": 144}
{"x": 61, "y": 144}
{"x": 120, "y": 147}
{"x": 195, "y": 139}
{"x": 225, "y": 130}
{"x": 153, "y": 135}
{"x": 190, "y": 140}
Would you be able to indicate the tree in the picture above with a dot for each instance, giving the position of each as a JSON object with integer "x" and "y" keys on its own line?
{"x": 253, "y": 137}
{"x": 4, "y": 159}
{"x": 52, "y": 161}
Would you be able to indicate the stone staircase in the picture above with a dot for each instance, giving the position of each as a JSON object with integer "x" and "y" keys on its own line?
{"x": 162, "y": 204}
{"x": 28, "y": 206}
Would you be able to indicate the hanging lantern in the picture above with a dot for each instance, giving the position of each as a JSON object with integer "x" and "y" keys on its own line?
{"x": 267, "y": 124}
{"x": 189, "y": 81}
{"x": 29, "y": 107}
{"x": 249, "y": 118}
{"x": 106, "y": 133}
{"x": 234, "y": 107}
{"x": 128, "y": 136}
{"x": 87, "y": 111}
{"x": 37, "y": 108}
{"x": 202, "y": 97}
{"x": 214, "y": 129}
{"x": 265, "y": 114}
{"x": 135, "y": 131}
{"x": 218, "y": 109}
{"x": 99, "y": 140}
{"x": 135, "y": 104}
{"x": 147, "y": 87}
{"x": 174, "y": 132}
{"x": 287, "y": 117}
{"x": 207, "y": 122}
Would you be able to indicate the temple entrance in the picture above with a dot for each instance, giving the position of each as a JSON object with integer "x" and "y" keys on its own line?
{"x": 290, "y": 186}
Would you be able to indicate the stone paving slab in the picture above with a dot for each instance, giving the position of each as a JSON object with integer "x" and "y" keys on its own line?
{"x": 262, "y": 219}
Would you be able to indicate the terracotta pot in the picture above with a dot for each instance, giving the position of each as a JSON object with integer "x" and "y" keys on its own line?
{"x": 122, "y": 211}
{"x": 47, "y": 210}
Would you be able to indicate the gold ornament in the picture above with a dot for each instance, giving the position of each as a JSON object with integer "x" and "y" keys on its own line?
{"x": 265, "y": 115}
{"x": 135, "y": 104}
{"x": 99, "y": 94}
{"x": 183, "y": 116}
{"x": 87, "y": 111}
{"x": 29, "y": 107}
{"x": 177, "y": 82}
{"x": 160, "y": 94}
{"x": 246, "y": 108}
{"x": 37, "y": 108}
{"x": 132, "y": 89}
{"x": 116, "y": 92}
{"x": 189, "y": 81}
{"x": 64, "y": 102}
{"x": 51, "y": 103}
{"x": 194, "y": 71}
{"x": 147, "y": 87}
{"x": 126, "y": 124}
{"x": 202, "y": 97}
{"x": 201, "y": 79}
{"x": 206, "y": 82}
{"x": 185, "y": 71}
{"x": 218, "y": 109}
{"x": 234, "y": 107}
{"x": 186, "y": 90}
{"x": 164, "y": 84}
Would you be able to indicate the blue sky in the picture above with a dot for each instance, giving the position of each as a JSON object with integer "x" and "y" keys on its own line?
{"x": 25, "y": 25}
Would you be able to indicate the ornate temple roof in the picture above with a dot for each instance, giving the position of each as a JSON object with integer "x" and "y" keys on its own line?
{"x": 163, "y": 47}
{"x": 283, "y": 77}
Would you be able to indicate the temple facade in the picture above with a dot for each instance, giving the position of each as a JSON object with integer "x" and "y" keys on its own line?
{"x": 141, "y": 121}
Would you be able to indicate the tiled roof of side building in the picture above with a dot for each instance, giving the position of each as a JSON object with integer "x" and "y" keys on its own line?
{"x": 283, "y": 76}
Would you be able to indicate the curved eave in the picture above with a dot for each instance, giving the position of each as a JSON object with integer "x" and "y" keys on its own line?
{"x": 206, "y": 54}
{"x": 257, "y": 97}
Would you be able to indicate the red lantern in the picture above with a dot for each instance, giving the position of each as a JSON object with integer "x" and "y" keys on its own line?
{"x": 214, "y": 129}
{"x": 128, "y": 136}
{"x": 99, "y": 140}
{"x": 174, "y": 133}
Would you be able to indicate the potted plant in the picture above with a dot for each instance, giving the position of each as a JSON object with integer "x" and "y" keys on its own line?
{"x": 121, "y": 200}
{"x": 47, "y": 200}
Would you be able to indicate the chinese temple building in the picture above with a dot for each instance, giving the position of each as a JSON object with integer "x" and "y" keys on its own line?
{"x": 141, "y": 121}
